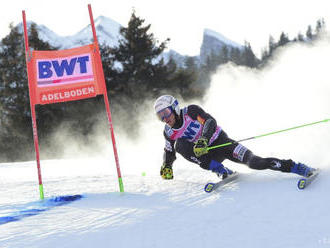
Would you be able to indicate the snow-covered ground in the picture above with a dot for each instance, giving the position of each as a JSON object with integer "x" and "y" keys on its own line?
{"x": 262, "y": 209}
{"x": 259, "y": 210}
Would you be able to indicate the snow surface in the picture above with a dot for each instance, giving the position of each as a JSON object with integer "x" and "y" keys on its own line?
{"x": 259, "y": 210}
{"x": 262, "y": 209}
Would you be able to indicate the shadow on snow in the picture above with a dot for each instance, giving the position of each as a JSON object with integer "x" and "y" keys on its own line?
{"x": 39, "y": 207}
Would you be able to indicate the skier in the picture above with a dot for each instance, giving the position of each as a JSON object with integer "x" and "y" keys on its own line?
{"x": 189, "y": 131}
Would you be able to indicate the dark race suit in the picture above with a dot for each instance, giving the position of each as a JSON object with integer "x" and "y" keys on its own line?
{"x": 193, "y": 123}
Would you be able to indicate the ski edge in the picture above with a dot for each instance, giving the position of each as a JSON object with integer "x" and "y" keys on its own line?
{"x": 304, "y": 182}
{"x": 210, "y": 187}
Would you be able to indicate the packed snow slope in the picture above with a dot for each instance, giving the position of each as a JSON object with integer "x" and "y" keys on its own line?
{"x": 262, "y": 209}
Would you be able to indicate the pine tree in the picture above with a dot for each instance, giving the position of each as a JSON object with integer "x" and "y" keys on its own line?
{"x": 212, "y": 62}
{"x": 171, "y": 66}
{"x": 284, "y": 39}
{"x": 309, "y": 32}
{"x": 110, "y": 72}
{"x": 267, "y": 53}
{"x": 320, "y": 27}
{"x": 35, "y": 41}
{"x": 235, "y": 56}
{"x": 223, "y": 57}
{"x": 264, "y": 55}
{"x": 14, "y": 97}
{"x": 191, "y": 65}
{"x": 300, "y": 37}
{"x": 271, "y": 45}
{"x": 248, "y": 57}
{"x": 137, "y": 53}
{"x": 15, "y": 115}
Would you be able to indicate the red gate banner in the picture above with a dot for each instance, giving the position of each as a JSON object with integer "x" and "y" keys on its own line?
{"x": 65, "y": 75}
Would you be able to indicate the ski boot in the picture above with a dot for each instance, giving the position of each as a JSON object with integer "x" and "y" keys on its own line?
{"x": 226, "y": 173}
{"x": 302, "y": 169}
{"x": 219, "y": 169}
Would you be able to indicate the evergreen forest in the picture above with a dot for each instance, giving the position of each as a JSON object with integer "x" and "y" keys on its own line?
{"x": 135, "y": 75}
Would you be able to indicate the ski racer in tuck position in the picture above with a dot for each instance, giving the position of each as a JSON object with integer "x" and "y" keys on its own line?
{"x": 189, "y": 131}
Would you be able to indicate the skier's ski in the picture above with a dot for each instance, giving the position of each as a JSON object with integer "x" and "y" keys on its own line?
{"x": 209, "y": 187}
{"x": 304, "y": 182}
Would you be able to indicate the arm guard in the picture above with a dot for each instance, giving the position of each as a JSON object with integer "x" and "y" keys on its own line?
{"x": 169, "y": 157}
{"x": 209, "y": 128}
{"x": 209, "y": 123}
{"x": 169, "y": 151}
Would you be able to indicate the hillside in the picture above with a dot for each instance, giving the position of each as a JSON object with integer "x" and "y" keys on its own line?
{"x": 262, "y": 209}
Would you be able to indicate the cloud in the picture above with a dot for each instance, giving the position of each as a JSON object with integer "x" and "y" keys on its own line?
{"x": 293, "y": 90}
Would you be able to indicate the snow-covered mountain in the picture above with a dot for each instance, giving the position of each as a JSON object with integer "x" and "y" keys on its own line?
{"x": 108, "y": 32}
{"x": 213, "y": 42}
{"x": 177, "y": 57}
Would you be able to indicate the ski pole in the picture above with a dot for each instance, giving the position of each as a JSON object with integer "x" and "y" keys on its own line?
{"x": 267, "y": 134}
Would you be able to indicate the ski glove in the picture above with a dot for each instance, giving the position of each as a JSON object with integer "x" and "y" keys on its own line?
{"x": 166, "y": 172}
{"x": 200, "y": 147}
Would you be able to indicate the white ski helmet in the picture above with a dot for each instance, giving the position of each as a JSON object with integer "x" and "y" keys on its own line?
{"x": 166, "y": 101}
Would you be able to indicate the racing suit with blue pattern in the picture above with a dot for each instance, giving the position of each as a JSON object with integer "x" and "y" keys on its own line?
{"x": 194, "y": 123}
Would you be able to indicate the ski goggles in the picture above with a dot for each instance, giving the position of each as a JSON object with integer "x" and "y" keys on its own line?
{"x": 164, "y": 113}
